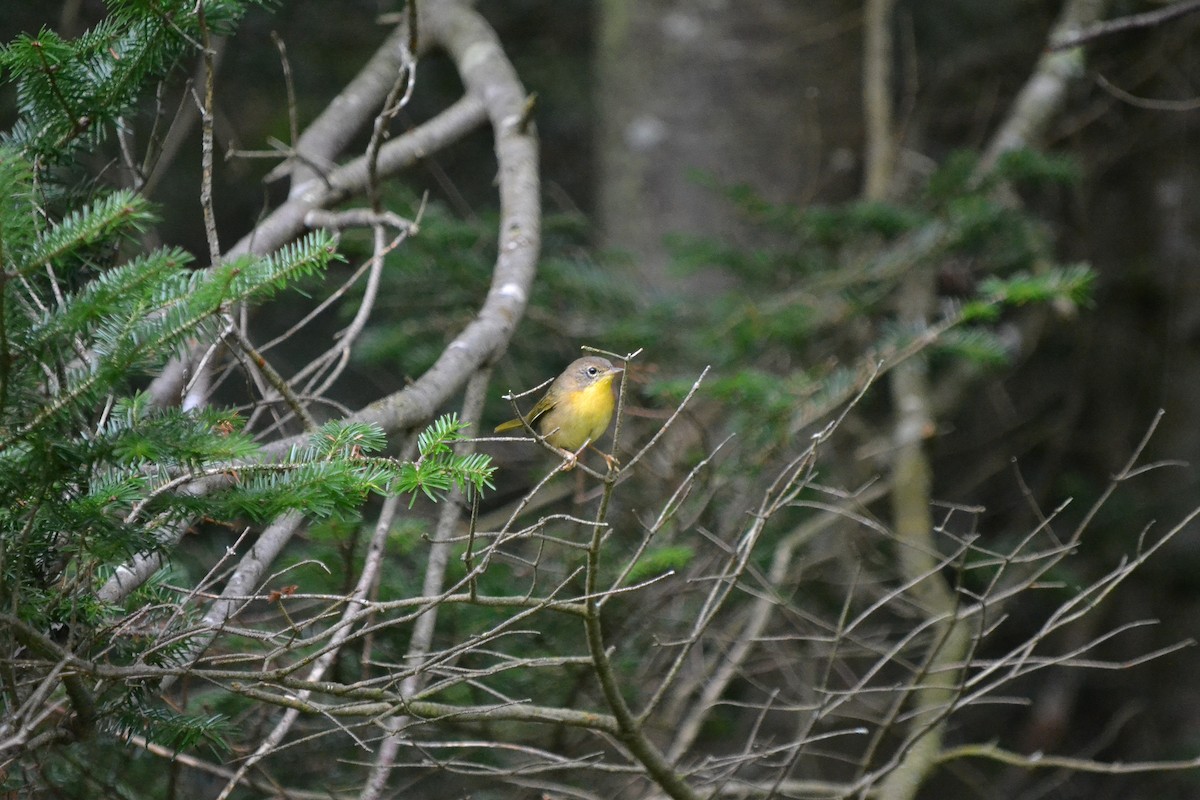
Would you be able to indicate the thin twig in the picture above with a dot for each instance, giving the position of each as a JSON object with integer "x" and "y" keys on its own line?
{"x": 1146, "y": 19}
{"x": 206, "y": 142}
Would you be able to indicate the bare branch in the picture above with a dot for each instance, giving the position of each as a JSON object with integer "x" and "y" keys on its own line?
{"x": 1072, "y": 39}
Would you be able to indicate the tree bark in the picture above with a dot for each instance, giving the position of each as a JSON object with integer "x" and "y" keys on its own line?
{"x": 762, "y": 94}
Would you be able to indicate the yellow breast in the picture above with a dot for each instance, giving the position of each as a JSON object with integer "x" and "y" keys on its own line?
{"x": 579, "y": 416}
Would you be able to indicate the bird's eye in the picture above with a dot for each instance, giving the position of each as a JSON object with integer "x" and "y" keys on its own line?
{"x": 592, "y": 371}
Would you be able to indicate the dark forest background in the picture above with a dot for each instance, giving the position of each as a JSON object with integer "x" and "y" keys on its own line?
{"x": 713, "y": 195}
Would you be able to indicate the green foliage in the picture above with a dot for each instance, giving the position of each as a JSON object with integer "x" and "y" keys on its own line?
{"x": 140, "y": 434}
{"x": 178, "y": 731}
{"x": 333, "y": 474}
{"x": 437, "y": 468}
{"x": 1035, "y": 168}
{"x": 658, "y": 561}
{"x": 340, "y": 439}
{"x": 429, "y": 287}
{"x": 108, "y": 216}
{"x": 71, "y": 92}
{"x": 840, "y": 225}
{"x": 974, "y": 344}
{"x": 813, "y": 313}
{"x": 91, "y": 468}
{"x": 94, "y": 472}
{"x": 1073, "y": 283}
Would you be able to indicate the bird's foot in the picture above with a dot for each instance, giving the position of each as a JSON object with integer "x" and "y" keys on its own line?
{"x": 569, "y": 459}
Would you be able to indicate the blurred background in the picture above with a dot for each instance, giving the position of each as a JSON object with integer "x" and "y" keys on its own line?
{"x": 703, "y": 172}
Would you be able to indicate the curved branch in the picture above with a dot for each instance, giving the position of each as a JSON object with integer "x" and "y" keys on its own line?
{"x": 1041, "y": 98}
{"x": 493, "y": 88}
{"x": 492, "y": 82}
{"x": 349, "y": 111}
{"x": 290, "y": 220}
{"x": 488, "y": 75}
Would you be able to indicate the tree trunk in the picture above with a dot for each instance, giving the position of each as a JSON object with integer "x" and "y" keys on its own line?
{"x": 765, "y": 94}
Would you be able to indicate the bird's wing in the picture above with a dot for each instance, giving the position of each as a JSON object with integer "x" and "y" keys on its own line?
{"x": 540, "y": 408}
{"x": 535, "y": 413}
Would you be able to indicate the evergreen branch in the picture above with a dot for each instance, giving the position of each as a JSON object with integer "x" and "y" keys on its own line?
{"x": 260, "y": 277}
{"x": 49, "y": 72}
{"x": 139, "y": 433}
{"x": 110, "y": 215}
{"x": 1073, "y": 283}
{"x": 345, "y": 439}
{"x": 155, "y": 279}
{"x": 71, "y": 92}
{"x": 5, "y": 352}
{"x": 124, "y": 343}
{"x": 169, "y": 728}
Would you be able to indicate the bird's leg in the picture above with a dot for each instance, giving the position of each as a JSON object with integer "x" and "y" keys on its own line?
{"x": 569, "y": 459}
{"x": 609, "y": 458}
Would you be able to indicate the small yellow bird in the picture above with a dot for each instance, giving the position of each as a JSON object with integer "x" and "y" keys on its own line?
{"x": 576, "y": 409}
